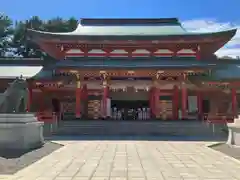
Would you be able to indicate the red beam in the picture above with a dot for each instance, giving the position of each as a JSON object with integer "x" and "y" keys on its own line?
{"x": 131, "y": 42}
{"x": 127, "y": 55}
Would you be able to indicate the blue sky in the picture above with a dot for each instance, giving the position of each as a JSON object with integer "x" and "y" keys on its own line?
{"x": 196, "y": 15}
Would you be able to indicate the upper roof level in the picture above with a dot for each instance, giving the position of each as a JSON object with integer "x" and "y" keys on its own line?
{"x": 130, "y": 34}
{"x": 107, "y": 29}
{"x": 128, "y": 27}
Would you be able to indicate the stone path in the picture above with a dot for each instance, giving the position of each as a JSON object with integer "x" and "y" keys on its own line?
{"x": 132, "y": 160}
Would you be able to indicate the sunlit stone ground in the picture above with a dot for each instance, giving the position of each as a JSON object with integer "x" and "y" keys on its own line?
{"x": 132, "y": 160}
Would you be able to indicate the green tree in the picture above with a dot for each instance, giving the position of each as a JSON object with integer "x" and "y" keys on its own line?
{"x": 6, "y": 31}
{"x": 27, "y": 48}
{"x": 60, "y": 25}
{"x": 23, "y": 47}
{"x": 72, "y": 24}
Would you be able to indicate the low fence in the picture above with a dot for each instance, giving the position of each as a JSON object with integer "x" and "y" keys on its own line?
{"x": 50, "y": 119}
{"x": 218, "y": 119}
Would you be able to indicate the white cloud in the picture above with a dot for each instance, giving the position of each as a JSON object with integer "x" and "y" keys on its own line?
{"x": 231, "y": 52}
{"x": 210, "y": 25}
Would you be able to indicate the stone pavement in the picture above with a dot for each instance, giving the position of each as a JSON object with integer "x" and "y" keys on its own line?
{"x": 132, "y": 160}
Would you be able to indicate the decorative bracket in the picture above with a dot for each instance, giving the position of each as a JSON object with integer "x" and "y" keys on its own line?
{"x": 103, "y": 74}
{"x": 105, "y": 84}
{"x": 159, "y": 73}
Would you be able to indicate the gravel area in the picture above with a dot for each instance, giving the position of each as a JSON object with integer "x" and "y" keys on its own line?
{"x": 11, "y": 162}
{"x": 228, "y": 150}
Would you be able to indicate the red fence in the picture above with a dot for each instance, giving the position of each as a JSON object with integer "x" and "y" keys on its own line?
{"x": 219, "y": 118}
{"x": 47, "y": 116}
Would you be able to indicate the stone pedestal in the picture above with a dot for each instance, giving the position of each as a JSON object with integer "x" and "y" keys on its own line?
{"x": 20, "y": 132}
{"x": 234, "y": 132}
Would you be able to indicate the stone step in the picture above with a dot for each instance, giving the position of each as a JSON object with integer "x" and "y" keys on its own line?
{"x": 135, "y": 128}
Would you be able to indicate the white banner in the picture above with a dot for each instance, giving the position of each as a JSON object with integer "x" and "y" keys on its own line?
{"x": 108, "y": 107}
{"x": 192, "y": 104}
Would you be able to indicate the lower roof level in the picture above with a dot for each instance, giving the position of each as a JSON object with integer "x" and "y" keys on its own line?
{"x": 122, "y": 68}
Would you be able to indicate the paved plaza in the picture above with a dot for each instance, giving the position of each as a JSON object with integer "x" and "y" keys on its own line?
{"x": 132, "y": 160}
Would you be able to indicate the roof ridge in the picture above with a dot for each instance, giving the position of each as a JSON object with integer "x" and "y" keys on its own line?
{"x": 130, "y": 21}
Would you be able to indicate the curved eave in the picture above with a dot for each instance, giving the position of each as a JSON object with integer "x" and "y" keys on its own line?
{"x": 44, "y": 73}
{"x": 10, "y": 72}
{"x": 129, "y": 67}
{"x": 34, "y": 35}
{"x": 134, "y": 63}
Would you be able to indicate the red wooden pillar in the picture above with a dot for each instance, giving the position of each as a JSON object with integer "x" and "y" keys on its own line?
{"x": 234, "y": 102}
{"x": 175, "y": 103}
{"x": 156, "y": 102}
{"x": 199, "y": 104}
{"x": 152, "y": 105}
{"x": 104, "y": 100}
{"x": 198, "y": 56}
{"x": 29, "y": 101}
{"x": 78, "y": 99}
{"x": 41, "y": 97}
{"x": 184, "y": 102}
{"x": 84, "y": 95}
{"x": 84, "y": 92}
{"x": 150, "y": 100}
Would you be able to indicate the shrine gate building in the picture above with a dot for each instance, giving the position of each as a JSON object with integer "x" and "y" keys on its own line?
{"x": 134, "y": 69}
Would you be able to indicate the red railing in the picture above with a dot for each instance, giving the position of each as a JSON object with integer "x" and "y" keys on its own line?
{"x": 47, "y": 116}
{"x": 219, "y": 118}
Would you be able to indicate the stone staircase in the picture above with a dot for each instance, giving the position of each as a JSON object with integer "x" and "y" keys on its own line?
{"x": 149, "y": 128}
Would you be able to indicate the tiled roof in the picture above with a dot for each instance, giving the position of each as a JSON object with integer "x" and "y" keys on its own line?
{"x": 229, "y": 73}
{"x": 17, "y": 71}
{"x": 130, "y": 33}
{"x": 128, "y": 28}
{"x": 99, "y": 62}
{"x": 108, "y": 63}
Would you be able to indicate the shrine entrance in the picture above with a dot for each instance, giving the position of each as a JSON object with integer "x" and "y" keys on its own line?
{"x": 55, "y": 105}
{"x": 130, "y": 110}
{"x": 130, "y": 104}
